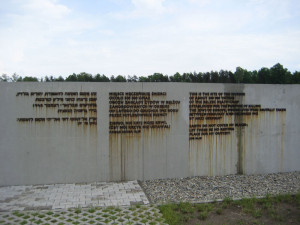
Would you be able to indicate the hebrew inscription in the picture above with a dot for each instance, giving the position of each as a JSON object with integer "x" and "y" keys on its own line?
{"x": 131, "y": 112}
{"x": 207, "y": 109}
{"x": 73, "y": 107}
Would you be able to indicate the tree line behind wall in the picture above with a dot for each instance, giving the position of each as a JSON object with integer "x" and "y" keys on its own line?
{"x": 274, "y": 75}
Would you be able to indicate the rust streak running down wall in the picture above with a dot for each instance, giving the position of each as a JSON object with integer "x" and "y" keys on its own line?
{"x": 85, "y": 132}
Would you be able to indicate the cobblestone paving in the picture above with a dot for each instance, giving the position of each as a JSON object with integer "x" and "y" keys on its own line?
{"x": 64, "y": 196}
{"x": 106, "y": 215}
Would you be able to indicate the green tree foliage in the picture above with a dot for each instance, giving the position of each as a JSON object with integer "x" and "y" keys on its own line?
{"x": 72, "y": 77}
{"x": 295, "y": 78}
{"x": 247, "y": 78}
{"x": 239, "y": 74}
{"x": 264, "y": 76}
{"x": 176, "y": 77}
{"x": 30, "y": 79}
{"x": 280, "y": 75}
{"x": 214, "y": 77}
{"x": 47, "y": 79}
{"x": 101, "y": 78}
{"x": 59, "y": 79}
{"x": 187, "y": 77}
{"x": 51, "y": 79}
{"x": 206, "y": 77}
{"x": 254, "y": 76}
{"x": 119, "y": 78}
{"x": 132, "y": 78}
{"x": 277, "y": 74}
{"x": 158, "y": 77}
{"x": 231, "y": 77}
{"x": 144, "y": 79}
{"x": 223, "y": 76}
{"x": 197, "y": 77}
{"x": 244, "y": 76}
{"x": 84, "y": 77}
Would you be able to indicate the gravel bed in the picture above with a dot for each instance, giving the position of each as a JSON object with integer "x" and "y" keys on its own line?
{"x": 204, "y": 189}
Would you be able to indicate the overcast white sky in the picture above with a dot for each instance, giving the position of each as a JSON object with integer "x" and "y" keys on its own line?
{"x": 140, "y": 37}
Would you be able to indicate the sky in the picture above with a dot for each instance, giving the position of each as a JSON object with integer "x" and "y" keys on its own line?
{"x": 140, "y": 37}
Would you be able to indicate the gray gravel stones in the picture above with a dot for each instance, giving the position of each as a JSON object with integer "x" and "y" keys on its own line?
{"x": 203, "y": 189}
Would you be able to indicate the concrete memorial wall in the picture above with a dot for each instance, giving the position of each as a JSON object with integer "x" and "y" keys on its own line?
{"x": 84, "y": 132}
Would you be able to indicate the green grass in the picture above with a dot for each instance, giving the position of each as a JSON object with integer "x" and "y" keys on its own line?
{"x": 205, "y": 207}
{"x": 227, "y": 200}
{"x": 170, "y": 215}
{"x": 182, "y": 212}
{"x": 219, "y": 211}
{"x": 92, "y": 210}
{"x": 77, "y": 210}
{"x": 203, "y": 215}
{"x": 39, "y": 222}
{"x": 18, "y": 214}
{"x": 186, "y": 207}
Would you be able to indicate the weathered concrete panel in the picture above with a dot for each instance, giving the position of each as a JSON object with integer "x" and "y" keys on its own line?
{"x": 83, "y": 132}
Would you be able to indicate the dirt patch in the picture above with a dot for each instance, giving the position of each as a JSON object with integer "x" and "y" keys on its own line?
{"x": 285, "y": 214}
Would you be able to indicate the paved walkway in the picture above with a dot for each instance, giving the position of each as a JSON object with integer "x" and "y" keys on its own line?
{"x": 137, "y": 215}
{"x": 65, "y": 196}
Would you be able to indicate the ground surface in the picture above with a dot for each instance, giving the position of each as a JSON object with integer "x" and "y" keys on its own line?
{"x": 281, "y": 209}
{"x": 105, "y": 215}
{"x": 64, "y": 196}
{"x": 203, "y": 189}
{"x": 127, "y": 202}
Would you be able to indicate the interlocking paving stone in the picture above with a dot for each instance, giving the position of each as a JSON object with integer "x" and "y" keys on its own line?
{"x": 64, "y": 196}
{"x": 110, "y": 215}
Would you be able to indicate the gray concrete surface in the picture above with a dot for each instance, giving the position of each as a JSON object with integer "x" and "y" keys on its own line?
{"x": 64, "y": 152}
